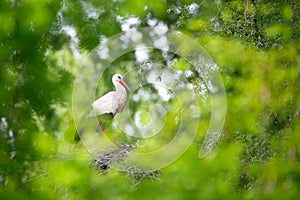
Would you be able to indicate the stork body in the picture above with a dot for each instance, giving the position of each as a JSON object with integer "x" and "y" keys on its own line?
{"x": 113, "y": 102}
{"x": 107, "y": 106}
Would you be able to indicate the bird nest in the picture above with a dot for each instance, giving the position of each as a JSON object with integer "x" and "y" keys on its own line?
{"x": 117, "y": 156}
{"x": 113, "y": 156}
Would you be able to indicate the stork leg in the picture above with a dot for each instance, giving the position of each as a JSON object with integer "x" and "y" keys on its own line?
{"x": 104, "y": 121}
{"x": 102, "y": 129}
{"x": 104, "y": 132}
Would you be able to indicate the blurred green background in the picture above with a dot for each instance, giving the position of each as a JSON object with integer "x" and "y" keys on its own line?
{"x": 256, "y": 46}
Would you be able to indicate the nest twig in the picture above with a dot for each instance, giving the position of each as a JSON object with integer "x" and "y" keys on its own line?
{"x": 138, "y": 174}
{"x": 115, "y": 156}
{"x": 105, "y": 160}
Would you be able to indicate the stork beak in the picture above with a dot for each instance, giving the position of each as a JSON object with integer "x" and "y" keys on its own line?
{"x": 125, "y": 85}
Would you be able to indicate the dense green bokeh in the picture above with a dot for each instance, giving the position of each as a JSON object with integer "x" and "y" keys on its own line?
{"x": 256, "y": 46}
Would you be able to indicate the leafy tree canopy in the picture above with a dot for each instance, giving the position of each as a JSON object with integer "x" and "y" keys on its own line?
{"x": 255, "y": 45}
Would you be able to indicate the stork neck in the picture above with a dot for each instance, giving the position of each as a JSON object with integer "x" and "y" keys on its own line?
{"x": 120, "y": 88}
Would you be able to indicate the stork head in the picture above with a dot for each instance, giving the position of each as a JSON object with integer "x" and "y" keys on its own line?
{"x": 118, "y": 79}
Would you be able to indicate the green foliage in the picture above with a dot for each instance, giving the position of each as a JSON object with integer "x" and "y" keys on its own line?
{"x": 256, "y": 47}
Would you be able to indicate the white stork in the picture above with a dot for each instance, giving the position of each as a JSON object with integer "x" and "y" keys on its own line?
{"x": 110, "y": 104}
{"x": 113, "y": 102}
